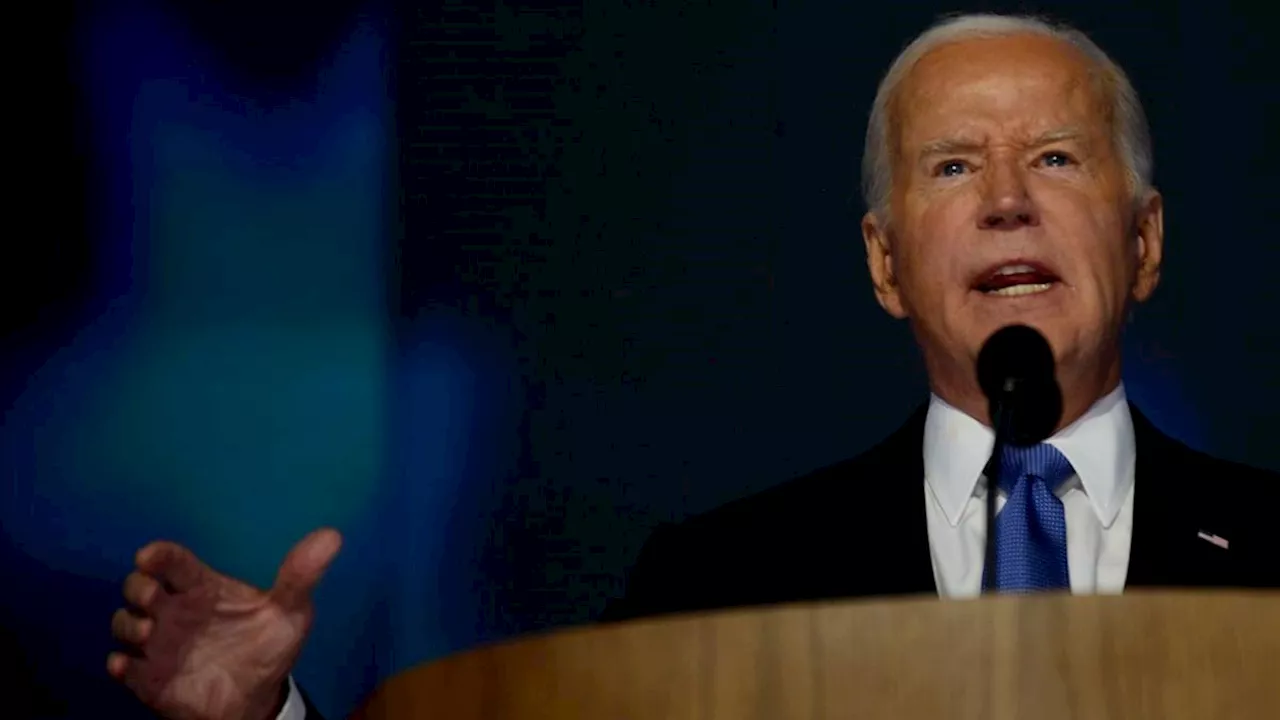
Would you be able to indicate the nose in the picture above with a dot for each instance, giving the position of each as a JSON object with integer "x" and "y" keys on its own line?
{"x": 1007, "y": 205}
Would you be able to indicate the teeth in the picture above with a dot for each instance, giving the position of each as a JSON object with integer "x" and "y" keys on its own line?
{"x": 1016, "y": 290}
{"x": 1014, "y": 269}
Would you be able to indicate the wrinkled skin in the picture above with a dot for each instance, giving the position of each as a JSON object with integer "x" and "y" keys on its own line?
{"x": 1003, "y": 152}
{"x": 204, "y": 646}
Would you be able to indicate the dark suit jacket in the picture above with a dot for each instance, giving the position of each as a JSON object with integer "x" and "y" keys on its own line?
{"x": 857, "y": 529}
{"x": 797, "y": 541}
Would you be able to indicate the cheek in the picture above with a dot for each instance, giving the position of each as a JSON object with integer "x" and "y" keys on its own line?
{"x": 942, "y": 208}
{"x": 1092, "y": 230}
{"x": 1114, "y": 250}
{"x": 932, "y": 260}
{"x": 927, "y": 287}
{"x": 1108, "y": 259}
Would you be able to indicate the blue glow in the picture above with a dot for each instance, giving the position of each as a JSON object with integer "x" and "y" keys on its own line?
{"x": 230, "y": 388}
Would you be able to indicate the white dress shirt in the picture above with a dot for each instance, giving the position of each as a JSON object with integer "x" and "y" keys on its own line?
{"x": 294, "y": 708}
{"x": 1098, "y": 499}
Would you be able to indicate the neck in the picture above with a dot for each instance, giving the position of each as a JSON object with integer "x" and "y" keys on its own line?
{"x": 1080, "y": 390}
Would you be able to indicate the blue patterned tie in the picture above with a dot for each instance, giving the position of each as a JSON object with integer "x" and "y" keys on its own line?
{"x": 1031, "y": 528}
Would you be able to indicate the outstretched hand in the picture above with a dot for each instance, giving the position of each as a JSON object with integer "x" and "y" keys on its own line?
{"x": 204, "y": 646}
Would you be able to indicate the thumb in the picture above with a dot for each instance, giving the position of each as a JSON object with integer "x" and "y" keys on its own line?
{"x": 304, "y": 566}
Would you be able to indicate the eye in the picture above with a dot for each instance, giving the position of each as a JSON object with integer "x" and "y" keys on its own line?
{"x": 951, "y": 168}
{"x": 1057, "y": 158}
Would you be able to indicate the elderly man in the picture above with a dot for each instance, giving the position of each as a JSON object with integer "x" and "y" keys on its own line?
{"x": 1007, "y": 174}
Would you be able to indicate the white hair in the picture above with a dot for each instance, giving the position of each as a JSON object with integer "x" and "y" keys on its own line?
{"x": 1129, "y": 129}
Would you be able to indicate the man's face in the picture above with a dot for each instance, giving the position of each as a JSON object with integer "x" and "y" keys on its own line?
{"x": 1010, "y": 205}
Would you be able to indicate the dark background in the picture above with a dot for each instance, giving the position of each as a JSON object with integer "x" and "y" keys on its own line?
{"x": 632, "y": 230}
{"x": 678, "y": 268}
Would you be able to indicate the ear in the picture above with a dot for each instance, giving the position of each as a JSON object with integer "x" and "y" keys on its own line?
{"x": 1149, "y": 227}
{"x": 875, "y": 234}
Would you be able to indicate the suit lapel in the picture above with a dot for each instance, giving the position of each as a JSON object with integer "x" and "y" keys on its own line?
{"x": 1166, "y": 550}
{"x": 902, "y": 530}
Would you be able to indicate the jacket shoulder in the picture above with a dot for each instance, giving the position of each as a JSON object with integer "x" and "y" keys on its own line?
{"x": 728, "y": 554}
{"x": 1183, "y": 494}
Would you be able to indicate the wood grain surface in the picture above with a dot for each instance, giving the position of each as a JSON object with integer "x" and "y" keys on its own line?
{"x": 1167, "y": 655}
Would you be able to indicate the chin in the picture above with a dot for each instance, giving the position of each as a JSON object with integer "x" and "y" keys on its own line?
{"x": 1059, "y": 337}
{"x": 1043, "y": 311}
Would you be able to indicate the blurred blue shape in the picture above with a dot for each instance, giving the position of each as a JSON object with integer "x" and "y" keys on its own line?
{"x": 230, "y": 387}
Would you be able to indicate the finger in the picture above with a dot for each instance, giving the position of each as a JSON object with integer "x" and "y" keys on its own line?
{"x": 172, "y": 564}
{"x": 304, "y": 565}
{"x": 117, "y": 665}
{"x": 129, "y": 628}
{"x": 141, "y": 590}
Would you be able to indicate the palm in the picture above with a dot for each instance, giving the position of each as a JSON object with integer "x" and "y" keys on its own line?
{"x": 209, "y": 647}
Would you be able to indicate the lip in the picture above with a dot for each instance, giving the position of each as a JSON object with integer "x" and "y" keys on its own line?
{"x": 1045, "y": 271}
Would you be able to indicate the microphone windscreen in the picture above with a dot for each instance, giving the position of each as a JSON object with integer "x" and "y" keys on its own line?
{"x": 1016, "y": 373}
{"x": 1014, "y": 352}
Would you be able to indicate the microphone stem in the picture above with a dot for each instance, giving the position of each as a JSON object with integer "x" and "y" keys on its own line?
{"x": 1003, "y": 424}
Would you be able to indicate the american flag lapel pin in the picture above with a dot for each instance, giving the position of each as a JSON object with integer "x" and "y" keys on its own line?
{"x": 1214, "y": 539}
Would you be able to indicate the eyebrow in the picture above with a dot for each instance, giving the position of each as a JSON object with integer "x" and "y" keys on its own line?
{"x": 962, "y": 146}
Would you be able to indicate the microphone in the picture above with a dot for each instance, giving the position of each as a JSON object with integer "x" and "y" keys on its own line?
{"x": 1016, "y": 373}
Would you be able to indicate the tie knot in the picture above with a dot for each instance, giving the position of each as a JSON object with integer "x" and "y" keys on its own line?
{"x": 1042, "y": 461}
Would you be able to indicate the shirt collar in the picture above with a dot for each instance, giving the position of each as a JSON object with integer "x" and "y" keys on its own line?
{"x": 1099, "y": 445}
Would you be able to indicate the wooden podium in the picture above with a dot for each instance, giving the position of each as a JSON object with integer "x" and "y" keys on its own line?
{"x": 1146, "y": 655}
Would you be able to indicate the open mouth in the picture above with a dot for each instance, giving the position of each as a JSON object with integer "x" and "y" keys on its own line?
{"x": 1016, "y": 279}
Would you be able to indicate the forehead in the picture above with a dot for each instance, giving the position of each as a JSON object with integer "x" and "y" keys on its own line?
{"x": 1002, "y": 86}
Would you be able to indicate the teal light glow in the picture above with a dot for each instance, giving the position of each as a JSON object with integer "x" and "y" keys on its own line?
{"x": 229, "y": 389}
